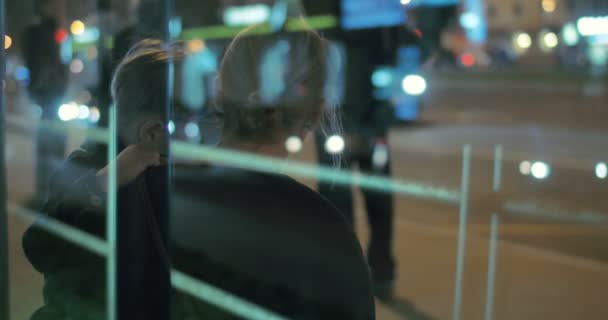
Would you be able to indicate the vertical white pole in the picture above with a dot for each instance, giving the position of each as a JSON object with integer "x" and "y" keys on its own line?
{"x": 493, "y": 245}
{"x": 462, "y": 230}
{"x": 489, "y": 311}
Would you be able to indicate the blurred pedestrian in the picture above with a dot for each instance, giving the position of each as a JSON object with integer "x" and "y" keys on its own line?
{"x": 366, "y": 121}
{"x": 48, "y": 83}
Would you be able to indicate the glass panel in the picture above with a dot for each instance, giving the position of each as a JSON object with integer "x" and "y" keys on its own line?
{"x": 285, "y": 159}
{"x": 58, "y": 72}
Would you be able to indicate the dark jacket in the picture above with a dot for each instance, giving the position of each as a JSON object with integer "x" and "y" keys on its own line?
{"x": 75, "y": 279}
{"x": 266, "y": 238}
{"x": 270, "y": 228}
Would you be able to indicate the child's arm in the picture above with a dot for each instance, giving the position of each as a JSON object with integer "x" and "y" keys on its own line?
{"x": 77, "y": 198}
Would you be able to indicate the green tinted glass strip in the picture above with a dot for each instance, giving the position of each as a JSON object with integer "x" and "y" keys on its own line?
{"x": 316, "y": 22}
{"x": 111, "y": 217}
{"x": 220, "y": 298}
{"x": 224, "y": 32}
{"x": 181, "y": 150}
{"x": 413, "y": 189}
{"x": 73, "y": 235}
{"x": 219, "y": 32}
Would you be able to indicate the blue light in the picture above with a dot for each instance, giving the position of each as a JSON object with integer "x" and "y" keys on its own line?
{"x": 22, "y": 73}
{"x": 278, "y": 16}
{"x": 90, "y": 34}
{"x": 358, "y": 14}
{"x": 469, "y": 20}
{"x": 570, "y": 34}
{"x": 65, "y": 51}
{"x": 433, "y": 3}
{"x": 382, "y": 78}
{"x": 175, "y": 27}
{"x": 247, "y": 15}
{"x": 474, "y": 18}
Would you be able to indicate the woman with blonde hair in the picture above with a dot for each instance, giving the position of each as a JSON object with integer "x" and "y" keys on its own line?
{"x": 262, "y": 235}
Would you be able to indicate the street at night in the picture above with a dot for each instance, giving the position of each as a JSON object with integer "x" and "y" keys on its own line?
{"x": 304, "y": 160}
{"x": 555, "y": 255}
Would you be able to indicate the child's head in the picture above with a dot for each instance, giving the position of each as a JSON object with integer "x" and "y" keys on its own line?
{"x": 272, "y": 87}
{"x": 140, "y": 90}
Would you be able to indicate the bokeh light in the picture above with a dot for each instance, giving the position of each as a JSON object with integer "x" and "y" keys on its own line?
{"x": 77, "y": 27}
{"x": 94, "y": 114}
{"x": 405, "y": 2}
{"x": 540, "y": 170}
{"x": 83, "y": 112}
{"x": 551, "y": 40}
{"x": 592, "y": 26}
{"x": 61, "y": 35}
{"x": 549, "y": 6}
{"x": 470, "y": 20}
{"x": 68, "y": 111}
{"x": 523, "y": 40}
{"x": 570, "y": 35}
{"x": 525, "y": 168}
{"x": 8, "y": 42}
{"x": 382, "y": 77}
{"x": 467, "y": 60}
{"x": 76, "y": 66}
{"x": 192, "y": 130}
{"x": 195, "y": 45}
{"x": 548, "y": 40}
{"x": 293, "y": 144}
{"x": 414, "y": 85}
{"x": 601, "y": 170}
{"x": 171, "y": 127}
{"x": 335, "y": 144}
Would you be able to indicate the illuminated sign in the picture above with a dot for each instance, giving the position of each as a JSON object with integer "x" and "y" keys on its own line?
{"x": 592, "y": 26}
{"x": 360, "y": 14}
{"x": 247, "y": 15}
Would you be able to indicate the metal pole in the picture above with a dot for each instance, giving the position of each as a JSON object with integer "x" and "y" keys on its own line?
{"x": 4, "y": 279}
{"x": 493, "y": 245}
{"x": 498, "y": 155}
{"x": 111, "y": 219}
{"x": 462, "y": 230}
{"x": 492, "y": 253}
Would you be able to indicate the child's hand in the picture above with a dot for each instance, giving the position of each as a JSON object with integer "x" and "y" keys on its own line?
{"x": 130, "y": 163}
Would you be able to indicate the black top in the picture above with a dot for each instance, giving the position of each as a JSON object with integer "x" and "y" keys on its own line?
{"x": 263, "y": 237}
{"x": 277, "y": 231}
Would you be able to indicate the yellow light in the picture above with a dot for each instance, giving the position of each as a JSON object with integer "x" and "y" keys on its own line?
{"x": 405, "y": 2}
{"x": 549, "y": 5}
{"x": 524, "y": 40}
{"x": 196, "y": 45}
{"x": 8, "y": 42}
{"x": 551, "y": 40}
{"x": 77, "y": 27}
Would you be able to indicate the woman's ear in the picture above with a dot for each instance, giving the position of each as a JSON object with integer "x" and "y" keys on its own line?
{"x": 152, "y": 132}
